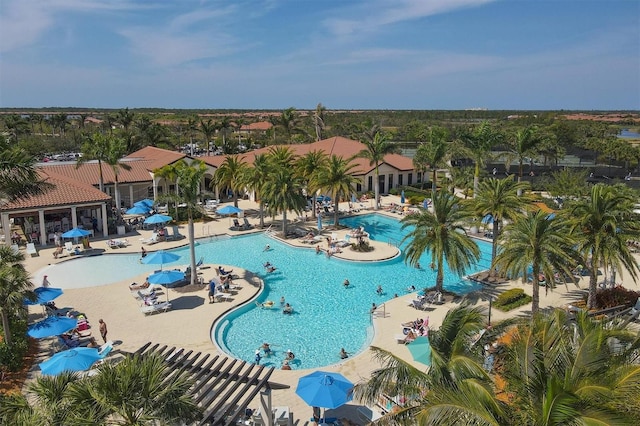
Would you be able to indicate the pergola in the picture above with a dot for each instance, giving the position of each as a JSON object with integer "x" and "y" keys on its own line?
{"x": 223, "y": 387}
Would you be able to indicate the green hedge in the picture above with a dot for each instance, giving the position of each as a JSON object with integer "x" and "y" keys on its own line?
{"x": 511, "y": 299}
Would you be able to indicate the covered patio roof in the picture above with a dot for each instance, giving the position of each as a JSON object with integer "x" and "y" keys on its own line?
{"x": 224, "y": 387}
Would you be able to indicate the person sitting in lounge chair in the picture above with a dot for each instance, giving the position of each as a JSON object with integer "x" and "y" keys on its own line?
{"x": 136, "y": 286}
{"x": 223, "y": 272}
{"x": 409, "y": 337}
{"x": 57, "y": 252}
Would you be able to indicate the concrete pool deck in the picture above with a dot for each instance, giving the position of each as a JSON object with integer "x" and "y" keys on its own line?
{"x": 189, "y": 323}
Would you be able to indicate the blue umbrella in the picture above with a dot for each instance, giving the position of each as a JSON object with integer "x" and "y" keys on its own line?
{"x": 420, "y": 349}
{"x": 319, "y": 222}
{"x": 551, "y": 216}
{"x": 488, "y": 219}
{"x": 323, "y": 198}
{"x": 144, "y": 203}
{"x": 140, "y": 210}
{"x": 159, "y": 258}
{"x": 325, "y": 389}
{"x": 166, "y": 277}
{"x": 78, "y": 359}
{"x": 44, "y": 295}
{"x": 402, "y": 197}
{"x": 157, "y": 218}
{"x": 51, "y": 326}
{"x": 76, "y": 233}
{"x": 226, "y": 210}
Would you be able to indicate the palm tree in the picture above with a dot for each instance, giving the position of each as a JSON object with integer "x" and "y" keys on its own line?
{"x": 254, "y": 179}
{"x": 308, "y": 166}
{"x": 375, "y": 151}
{"x": 337, "y": 179}
{"x": 283, "y": 191}
{"x": 524, "y": 144}
{"x": 117, "y": 149}
{"x": 434, "y": 153}
{"x": 229, "y": 176}
{"x": 19, "y": 177}
{"x": 499, "y": 198}
{"x": 15, "y": 286}
{"x": 454, "y": 390}
{"x": 477, "y": 144}
{"x": 170, "y": 174}
{"x": 189, "y": 178}
{"x": 556, "y": 372}
{"x": 96, "y": 147}
{"x": 602, "y": 225}
{"x": 125, "y": 118}
{"x": 224, "y": 125}
{"x": 318, "y": 120}
{"x": 208, "y": 129}
{"x": 442, "y": 234}
{"x": 538, "y": 244}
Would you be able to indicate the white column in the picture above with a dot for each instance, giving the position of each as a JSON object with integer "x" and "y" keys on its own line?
{"x": 6, "y": 228}
{"x": 105, "y": 225}
{"x": 155, "y": 189}
{"x": 74, "y": 217}
{"x": 130, "y": 195}
{"x": 44, "y": 237}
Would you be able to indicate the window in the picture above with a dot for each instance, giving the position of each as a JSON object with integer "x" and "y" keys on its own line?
{"x": 358, "y": 187}
{"x": 409, "y": 178}
{"x": 390, "y": 182}
{"x": 400, "y": 176}
{"x": 419, "y": 177}
{"x": 370, "y": 184}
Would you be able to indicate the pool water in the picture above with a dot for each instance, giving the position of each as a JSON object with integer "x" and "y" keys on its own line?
{"x": 326, "y": 316}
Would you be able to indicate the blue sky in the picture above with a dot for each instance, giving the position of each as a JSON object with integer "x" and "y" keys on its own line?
{"x": 369, "y": 54}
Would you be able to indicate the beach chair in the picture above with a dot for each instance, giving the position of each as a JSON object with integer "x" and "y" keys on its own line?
{"x": 151, "y": 240}
{"x": 236, "y": 225}
{"x": 155, "y": 308}
{"x": 105, "y": 349}
{"x": 31, "y": 249}
{"x": 247, "y": 225}
{"x": 15, "y": 248}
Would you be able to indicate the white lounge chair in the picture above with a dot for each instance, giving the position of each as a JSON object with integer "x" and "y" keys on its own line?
{"x": 31, "y": 249}
{"x": 155, "y": 308}
{"x": 151, "y": 240}
{"x": 105, "y": 349}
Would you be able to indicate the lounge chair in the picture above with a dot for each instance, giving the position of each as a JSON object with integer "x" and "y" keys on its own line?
{"x": 31, "y": 249}
{"x": 418, "y": 304}
{"x": 151, "y": 240}
{"x": 247, "y": 225}
{"x": 68, "y": 246}
{"x": 155, "y": 308}
{"x": 105, "y": 349}
{"x": 236, "y": 225}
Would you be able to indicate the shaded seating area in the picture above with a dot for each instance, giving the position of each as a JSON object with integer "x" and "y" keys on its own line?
{"x": 225, "y": 388}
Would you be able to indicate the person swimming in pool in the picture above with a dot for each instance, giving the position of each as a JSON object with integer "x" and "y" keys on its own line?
{"x": 266, "y": 349}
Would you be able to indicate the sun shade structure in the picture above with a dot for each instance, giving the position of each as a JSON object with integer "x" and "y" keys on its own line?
{"x": 157, "y": 218}
{"x": 226, "y": 210}
{"x": 144, "y": 203}
{"x": 44, "y": 295}
{"x": 324, "y": 389}
{"x": 76, "y": 233}
{"x": 420, "y": 349}
{"x": 138, "y": 210}
{"x": 78, "y": 359}
{"x": 51, "y": 326}
{"x": 223, "y": 387}
{"x": 159, "y": 258}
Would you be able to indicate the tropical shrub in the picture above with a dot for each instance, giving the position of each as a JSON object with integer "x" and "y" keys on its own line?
{"x": 511, "y": 299}
{"x": 611, "y": 297}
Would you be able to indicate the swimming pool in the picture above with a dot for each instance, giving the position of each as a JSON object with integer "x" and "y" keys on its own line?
{"x": 327, "y": 316}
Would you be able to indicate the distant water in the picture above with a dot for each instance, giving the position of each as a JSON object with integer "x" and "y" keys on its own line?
{"x": 626, "y": 133}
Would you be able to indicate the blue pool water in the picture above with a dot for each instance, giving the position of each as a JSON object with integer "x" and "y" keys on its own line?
{"x": 327, "y": 316}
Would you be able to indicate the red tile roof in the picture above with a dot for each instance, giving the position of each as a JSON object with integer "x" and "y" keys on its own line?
{"x": 342, "y": 147}
{"x": 259, "y": 126}
{"x": 158, "y": 157}
{"x": 66, "y": 192}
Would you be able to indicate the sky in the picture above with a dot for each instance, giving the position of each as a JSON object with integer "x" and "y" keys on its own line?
{"x": 345, "y": 54}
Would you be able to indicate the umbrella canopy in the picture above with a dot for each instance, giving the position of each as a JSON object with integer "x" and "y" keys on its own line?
{"x": 488, "y": 219}
{"x": 324, "y": 389}
{"x": 226, "y": 210}
{"x": 139, "y": 210}
{"x": 165, "y": 277}
{"x": 51, "y": 326}
{"x": 78, "y": 359}
{"x": 44, "y": 295}
{"x": 323, "y": 198}
{"x": 402, "y": 197}
{"x": 158, "y": 218}
{"x": 421, "y": 350}
{"x": 144, "y": 203}
{"x": 159, "y": 258}
{"x": 76, "y": 233}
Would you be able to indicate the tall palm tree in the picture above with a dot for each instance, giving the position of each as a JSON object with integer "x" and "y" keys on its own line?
{"x": 224, "y": 125}
{"x": 477, "y": 144}
{"x": 170, "y": 174}
{"x": 283, "y": 191}
{"x": 442, "y": 234}
{"x": 229, "y": 176}
{"x": 308, "y": 166}
{"x": 541, "y": 245}
{"x": 602, "y": 225}
{"x": 557, "y": 372}
{"x": 254, "y": 179}
{"x": 19, "y": 177}
{"x": 454, "y": 390}
{"x": 125, "y": 117}
{"x": 337, "y": 179}
{"x": 318, "y": 120}
{"x": 117, "y": 149}
{"x": 15, "y": 286}
{"x": 96, "y": 147}
{"x": 499, "y": 198}
{"x": 433, "y": 153}
{"x": 189, "y": 178}
{"x": 375, "y": 151}
{"x": 524, "y": 144}
{"x": 208, "y": 130}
